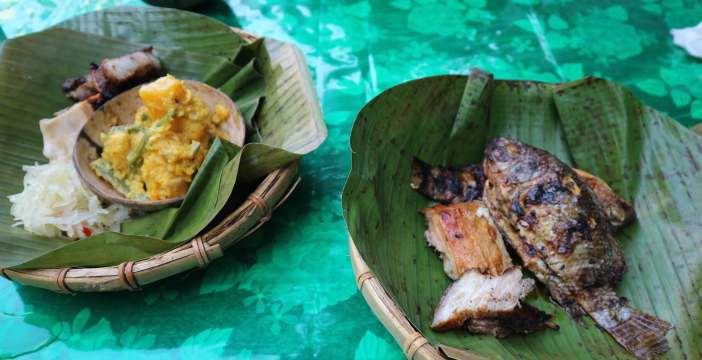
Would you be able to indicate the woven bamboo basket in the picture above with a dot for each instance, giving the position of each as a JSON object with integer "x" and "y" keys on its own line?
{"x": 199, "y": 251}
{"x": 413, "y": 343}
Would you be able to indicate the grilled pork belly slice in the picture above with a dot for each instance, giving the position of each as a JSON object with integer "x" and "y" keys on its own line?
{"x": 116, "y": 75}
{"x": 79, "y": 88}
{"x": 489, "y": 304}
{"x": 113, "y": 76}
{"x": 83, "y": 92}
{"x": 73, "y": 83}
{"x": 466, "y": 238}
{"x": 109, "y": 79}
{"x": 448, "y": 186}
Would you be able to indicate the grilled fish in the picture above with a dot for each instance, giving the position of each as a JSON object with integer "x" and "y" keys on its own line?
{"x": 554, "y": 221}
{"x": 466, "y": 238}
{"x": 465, "y": 183}
{"x": 486, "y": 297}
{"x": 619, "y": 211}
{"x": 448, "y": 186}
{"x": 488, "y": 304}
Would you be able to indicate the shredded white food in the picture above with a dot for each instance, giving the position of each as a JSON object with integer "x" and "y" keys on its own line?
{"x": 56, "y": 203}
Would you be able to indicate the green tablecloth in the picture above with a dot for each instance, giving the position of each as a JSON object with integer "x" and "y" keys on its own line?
{"x": 288, "y": 291}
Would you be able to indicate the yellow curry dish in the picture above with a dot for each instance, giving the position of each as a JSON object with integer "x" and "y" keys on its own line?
{"x": 156, "y": 157}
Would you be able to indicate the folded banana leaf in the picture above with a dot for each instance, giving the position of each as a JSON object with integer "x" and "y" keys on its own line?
{"x": 593, "y": 124}
{"x": 190, "y": 46}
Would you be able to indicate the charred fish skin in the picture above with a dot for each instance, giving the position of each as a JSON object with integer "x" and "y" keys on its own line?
{"x": 524, "y": 319}
{"x": 557, "y": 216}
{"x": 448, "y": 186}
{"x": 465, "y": 184}
{"x": 490, "y": 304}
{"x": 557, "y": 226}
{"x": 487, "y": 294}
{"x": 619, "y": 211}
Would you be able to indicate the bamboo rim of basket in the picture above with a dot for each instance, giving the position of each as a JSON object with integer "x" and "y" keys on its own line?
{"x": 415, "y": 345}
{"x": 196, "y": 252}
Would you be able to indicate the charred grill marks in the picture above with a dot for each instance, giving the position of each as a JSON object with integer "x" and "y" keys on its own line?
{"x": 448, "y": 186}
{"x": 531, "y": 250}
{"x": 518, "y": 209}
{"x": 545, "y": 193}
{"x": 113, "y": 76}
{"x": 561, "y": 222}
{"x": 582, "y": 260}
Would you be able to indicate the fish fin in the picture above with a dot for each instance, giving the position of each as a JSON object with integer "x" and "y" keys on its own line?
{"x": 574, "y": 310}
{"x": 641, "y": 334}
{"x": 448, "y": 186}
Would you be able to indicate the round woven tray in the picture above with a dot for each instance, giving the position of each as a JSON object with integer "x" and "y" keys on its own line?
{"x": 197, "y": 252}
{"x": 413, "y": 343}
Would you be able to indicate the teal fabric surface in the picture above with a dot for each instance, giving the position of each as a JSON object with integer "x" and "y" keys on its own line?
{"x": 288, "y": 291}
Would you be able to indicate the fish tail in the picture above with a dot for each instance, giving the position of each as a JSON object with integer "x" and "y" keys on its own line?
{"x": 641, "y": 334}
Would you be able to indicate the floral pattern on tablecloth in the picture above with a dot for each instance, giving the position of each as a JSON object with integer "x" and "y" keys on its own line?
{"x": 288, "y": 290}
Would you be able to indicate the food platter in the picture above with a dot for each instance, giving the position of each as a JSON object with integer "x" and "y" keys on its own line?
{"x": 594, "y": 124}
{"x": 255, "y": 179}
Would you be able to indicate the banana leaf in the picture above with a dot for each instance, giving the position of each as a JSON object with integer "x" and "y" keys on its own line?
{"x": 180, "y": 30}
{"x": 697, "y": 129}
{"x": 190, "y": 46}
{"x": 593, "y": 124}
